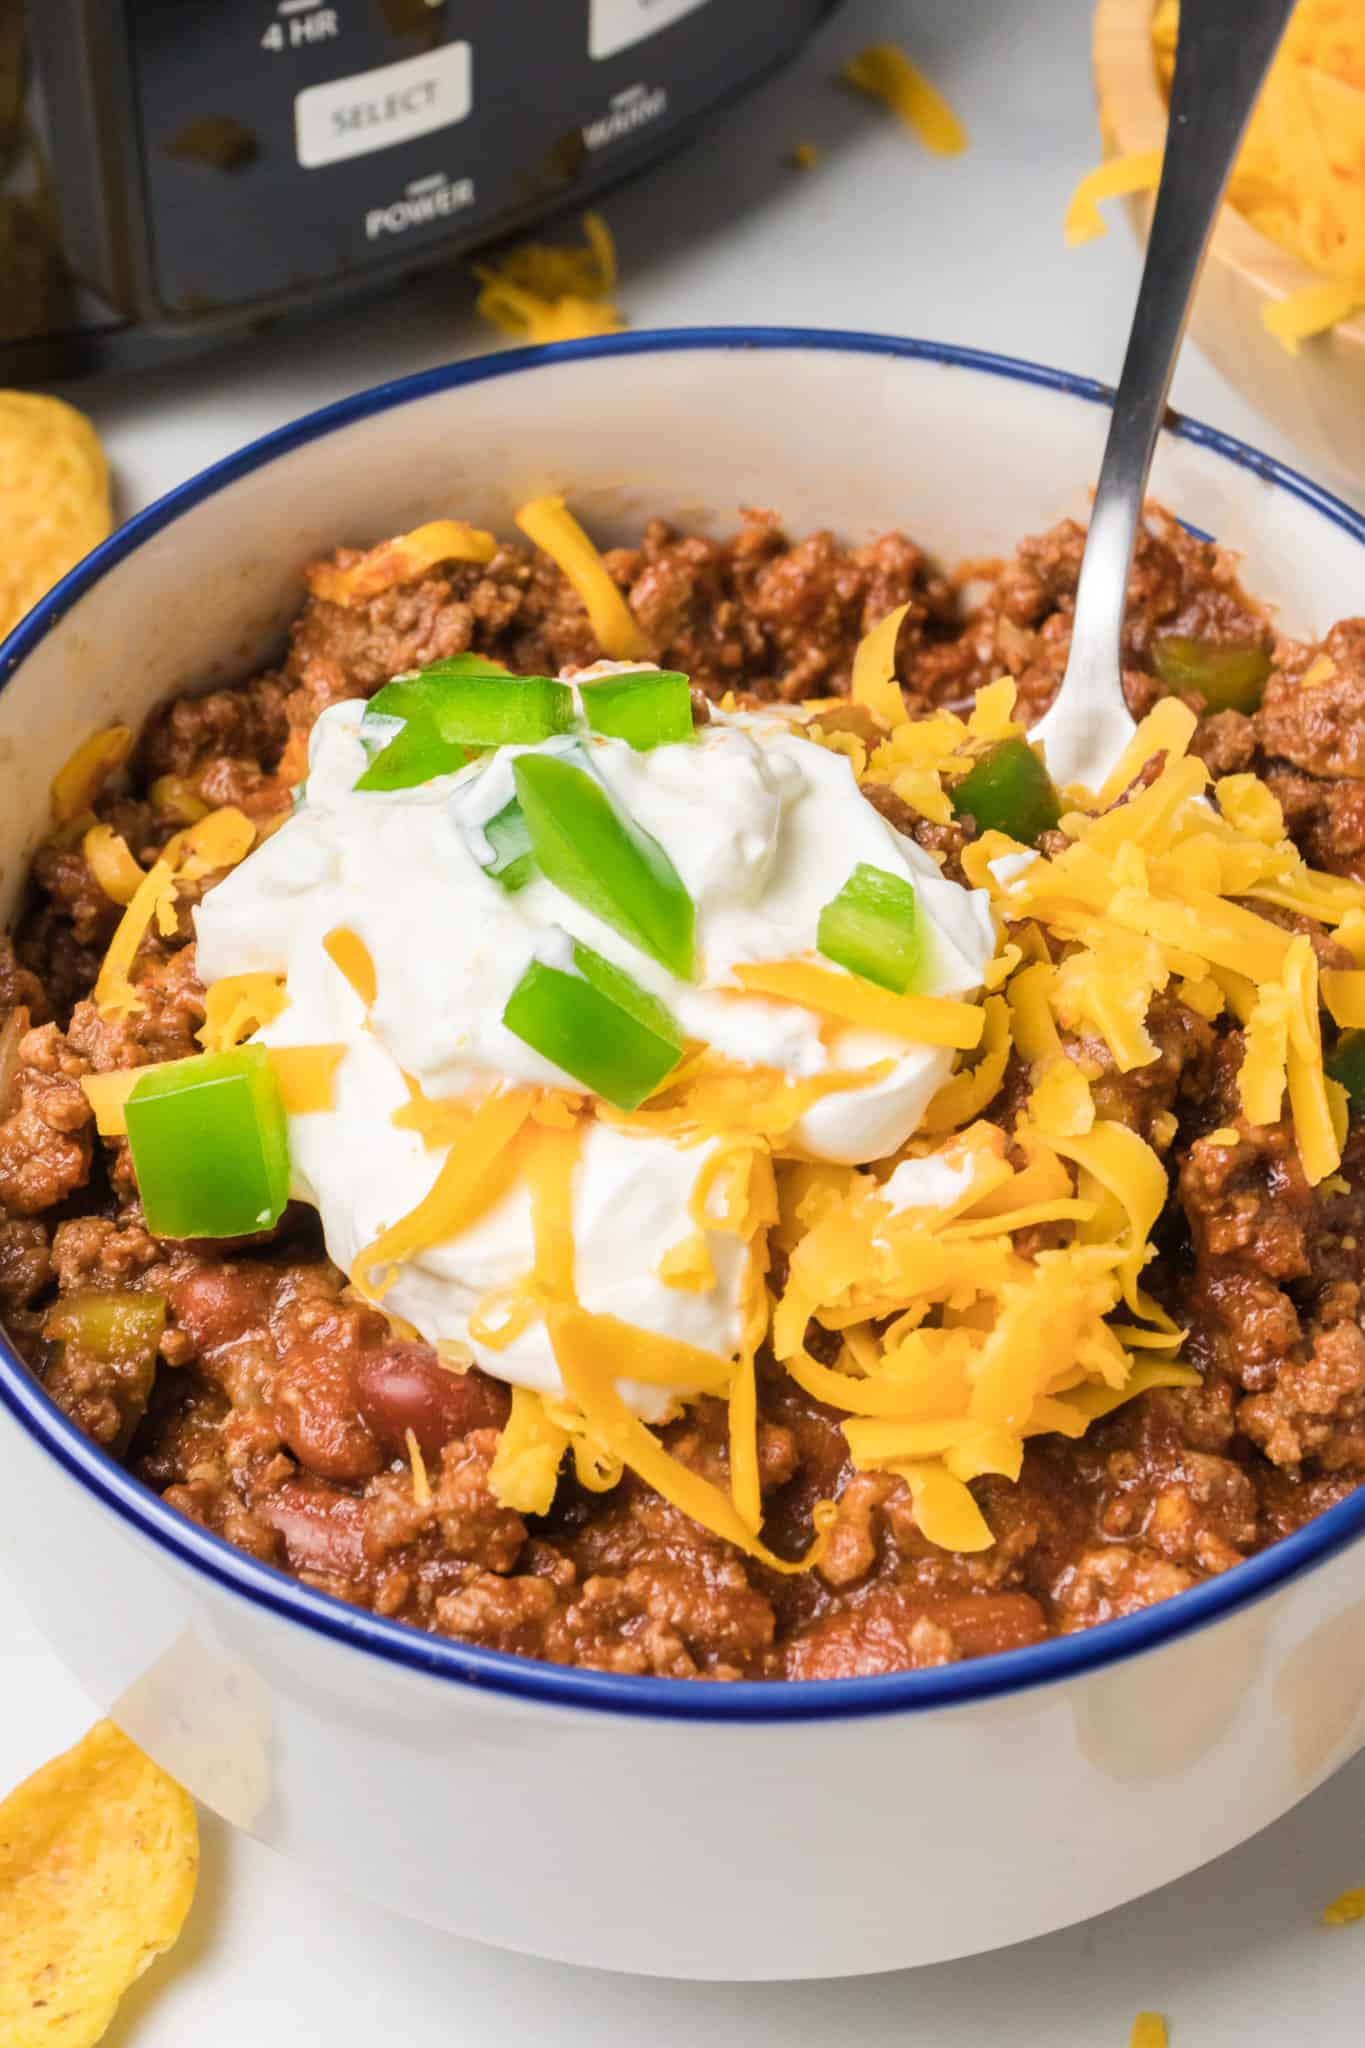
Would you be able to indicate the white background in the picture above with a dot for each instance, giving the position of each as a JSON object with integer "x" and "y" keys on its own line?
{"x": 880, "y": 235}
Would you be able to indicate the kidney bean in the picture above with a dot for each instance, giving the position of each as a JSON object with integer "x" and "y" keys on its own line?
{"x": 405, "y": 1387}
{"x": 323, "y": 1531}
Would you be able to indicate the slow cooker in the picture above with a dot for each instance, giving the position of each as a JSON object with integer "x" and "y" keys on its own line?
{"x": 171, "y": 175}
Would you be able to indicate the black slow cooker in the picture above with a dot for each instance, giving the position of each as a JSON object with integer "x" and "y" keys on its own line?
{"x": 174, "y": 170}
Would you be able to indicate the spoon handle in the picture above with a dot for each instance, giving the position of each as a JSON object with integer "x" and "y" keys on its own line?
{"x": 1223, "y": 52}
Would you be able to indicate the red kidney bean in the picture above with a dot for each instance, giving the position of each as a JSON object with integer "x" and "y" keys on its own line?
{"x": 405, "y": 1387}
{"x": 323, "y": 1531}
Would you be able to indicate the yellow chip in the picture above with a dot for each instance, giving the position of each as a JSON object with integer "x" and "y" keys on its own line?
{"x": 54, "y": 497}
{"x": 99, "y": 1851}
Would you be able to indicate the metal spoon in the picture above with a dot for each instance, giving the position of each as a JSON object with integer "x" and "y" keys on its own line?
{"x": 1222, "y": 54}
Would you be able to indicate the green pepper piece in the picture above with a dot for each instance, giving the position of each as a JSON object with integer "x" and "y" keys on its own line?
{"x": 602, "y": 858}
{"x": 210, "y": 1145}
{"x": 417, "y": 753}
{"x": 649, "y": 708}
{"x": 1009, "y": 790}
{"x": 513, "y": 862}
{"x": 477, "y": 703}
{"x": 872, "y": 927}
{"x": 596, "y": 1024}
{"x": 1227, "y": 678}
{"x": 120, "y": 1326}
{"x": 1346, "y": 1064}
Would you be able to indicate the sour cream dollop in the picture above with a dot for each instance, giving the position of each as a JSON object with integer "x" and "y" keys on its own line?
{"x": 763, "y": 826}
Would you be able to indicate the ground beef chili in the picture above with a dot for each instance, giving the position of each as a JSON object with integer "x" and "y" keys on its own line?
{"x": 280, "y": 1408}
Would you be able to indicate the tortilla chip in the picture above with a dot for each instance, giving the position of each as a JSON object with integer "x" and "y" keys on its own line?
{"x": 54, "y": 497}
{"x": 99, "y": 1851}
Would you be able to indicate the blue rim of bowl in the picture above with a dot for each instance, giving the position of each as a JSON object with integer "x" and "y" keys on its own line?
{"x": 206, "y": 1555}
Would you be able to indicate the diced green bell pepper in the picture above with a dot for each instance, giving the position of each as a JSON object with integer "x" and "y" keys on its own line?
{"x": 600, "y": 857}
{"x": 416, "y": 754}
{"x": 481, "y": 705}
{"x": 210, "y": 1145}
{"x": 596, "y": 1024}
{"x": 1009, "y": 790}
{"x": 1227, "y": 678}
{"x": 120, "y": 1326}
{"x": 1346, "y": 1064}
{"x": 650, "y": 708}
{"x": 513, "y": 862}
{"x": 454, "y": 708}
{"x": 873, "y": 928}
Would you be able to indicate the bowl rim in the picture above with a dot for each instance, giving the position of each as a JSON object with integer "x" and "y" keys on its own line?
{"x": 1133, "y": 111}
{"x": 265, "y": 1588}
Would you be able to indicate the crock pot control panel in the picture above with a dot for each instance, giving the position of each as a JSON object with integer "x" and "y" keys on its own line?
{"x": 288, "y": 142}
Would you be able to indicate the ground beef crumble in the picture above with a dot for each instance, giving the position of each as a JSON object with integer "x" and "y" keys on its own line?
{"x": 281, "y": 1410}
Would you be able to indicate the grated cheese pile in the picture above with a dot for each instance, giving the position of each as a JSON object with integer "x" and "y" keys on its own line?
{"x": 539, "y": 291}
{"x": 1300, "y": 174}
{"x": 987, "y": 1283}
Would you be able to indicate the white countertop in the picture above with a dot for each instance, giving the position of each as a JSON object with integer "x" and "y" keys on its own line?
{"x": 879, "y": 235}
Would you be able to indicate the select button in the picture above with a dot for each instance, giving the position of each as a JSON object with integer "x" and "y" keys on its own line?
{"x": 376, "y": 109}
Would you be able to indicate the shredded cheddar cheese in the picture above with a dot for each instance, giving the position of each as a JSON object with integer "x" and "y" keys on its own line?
{"x": 1149, "y": 2031}
{"x": 885, "y": 73}
{"x": 1300, "y": 173}
{"x": 351, "y": 956}
{"x": 1345, "y": 1909}
{"x": 1140, "y": 171}
{"x": 551, "y": 525}
{"x": 922, "y": 1020}
{"x": 540, "y": 291}
{"x": 404, "y": 559}
{"x": 874, "y": 672}
{"x": 115, "y": 995}
{"x": 110, "y": 861}
{"x": 80, "y": 779}
{"x": 421, "y": 1485}
{"x": 473, "y": 1176}
{"x": 237, "y": 1006}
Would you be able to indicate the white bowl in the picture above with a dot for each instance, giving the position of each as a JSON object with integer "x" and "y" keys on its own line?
{"x": 735, "y": 1831}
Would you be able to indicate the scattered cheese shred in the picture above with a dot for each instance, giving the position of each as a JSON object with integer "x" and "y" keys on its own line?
{"x": 421, "y": 1485}
{"x": 1140, "y": 171}
{"x": 467, "y": 1184}
{"x": 874, "y": 671}
{"x": 80, "y": 779}
{"x": 592, "y": 1352}
{"x": 1345, "y": 1909}
{"x": 524, "y": 1473}
{"x": 551, "y": 525}
{"x": 238, "y": 1005}
{"x": 212, "y": 843}
{"x": 351, "y": 956}
{"x": 922, "y": 1020}
{"x": 110, "y": 861}
{"x": 540, "y": 291}
{"x": 307, "y": 1077}
{"x": 1343, "y": 991}
{"x": 885, "y": 73}
{"x": 404, "y": 559}
{"x": 115, "y": 995}
{"x": 1149, "y": 2031}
